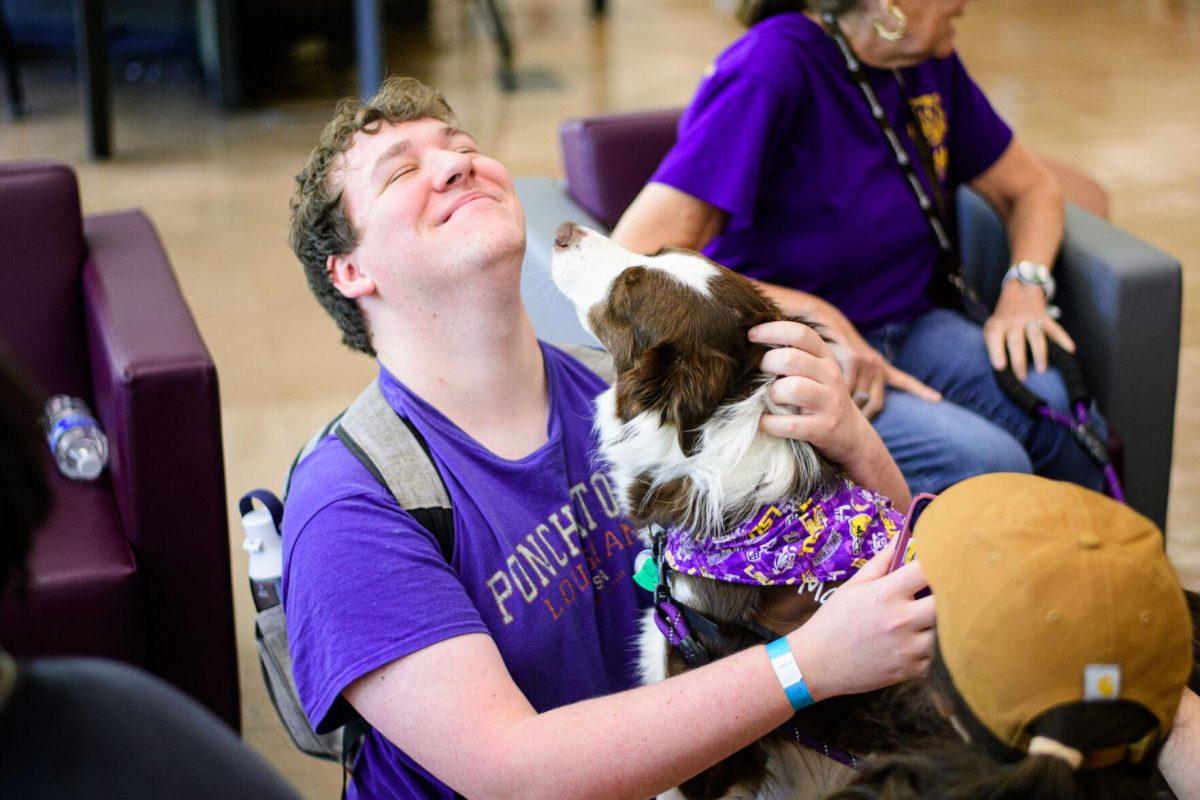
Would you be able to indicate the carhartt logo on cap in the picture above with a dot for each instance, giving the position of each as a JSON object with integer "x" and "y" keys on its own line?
{"x": 1101, "y": 682}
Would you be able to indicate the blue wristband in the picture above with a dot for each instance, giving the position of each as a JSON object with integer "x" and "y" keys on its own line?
{"x": 788, "y": 672}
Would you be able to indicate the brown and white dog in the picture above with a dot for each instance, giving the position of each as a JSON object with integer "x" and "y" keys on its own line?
{"x": 680, "y": 432}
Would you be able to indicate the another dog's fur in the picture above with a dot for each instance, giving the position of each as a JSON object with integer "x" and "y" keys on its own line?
{"x": 680, "y": 432}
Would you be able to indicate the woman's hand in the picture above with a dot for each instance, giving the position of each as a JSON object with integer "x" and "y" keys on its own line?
{"x": 867, "y": 372}
{"x": 871, "y": 633}
{"x": 1021, "y": 317}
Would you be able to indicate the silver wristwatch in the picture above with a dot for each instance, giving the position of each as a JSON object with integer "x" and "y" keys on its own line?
{"x": 1033, "y": 274}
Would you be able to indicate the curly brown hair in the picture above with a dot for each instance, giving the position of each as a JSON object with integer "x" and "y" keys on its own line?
{"x": 320, "y": 226}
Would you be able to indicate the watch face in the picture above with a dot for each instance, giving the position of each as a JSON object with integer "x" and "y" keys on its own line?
{"x": 1032, "y": 273}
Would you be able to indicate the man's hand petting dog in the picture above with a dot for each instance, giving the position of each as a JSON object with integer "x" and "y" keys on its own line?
{"x": 811, "y": 381}
{"x": 871, "y": 633}
{"x": 867, "y": 372}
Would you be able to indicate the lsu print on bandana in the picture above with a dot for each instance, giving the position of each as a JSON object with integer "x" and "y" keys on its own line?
{"x": 820, "y": 539}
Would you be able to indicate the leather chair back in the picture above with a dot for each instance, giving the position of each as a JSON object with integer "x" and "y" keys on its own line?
{"x": 41, "y": 266}
{"x": 608, "y": 158}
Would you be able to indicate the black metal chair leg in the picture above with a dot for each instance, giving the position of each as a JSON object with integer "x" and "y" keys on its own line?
{"x": 369, "y": 38}
{"x": 12, "y": 69}
{"x": 93, "y": 68}
{"x": 494, "y": 14}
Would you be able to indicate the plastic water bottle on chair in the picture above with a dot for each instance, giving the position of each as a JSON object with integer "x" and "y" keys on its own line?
{"x": 264, "y": 546}
{"x": 79, "y": 447}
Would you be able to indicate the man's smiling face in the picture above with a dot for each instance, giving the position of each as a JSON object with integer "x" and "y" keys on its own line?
{"x": 428, "y": 206}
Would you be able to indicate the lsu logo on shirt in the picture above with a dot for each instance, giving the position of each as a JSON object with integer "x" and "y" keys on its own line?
{"x": 927, "y": 108}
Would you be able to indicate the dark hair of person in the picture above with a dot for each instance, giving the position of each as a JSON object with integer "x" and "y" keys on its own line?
{"x": 943, "y": 768}
{"x": 752, "y": 12}
{"x": 320, "y": 226}
{"x": 24, "y": 495}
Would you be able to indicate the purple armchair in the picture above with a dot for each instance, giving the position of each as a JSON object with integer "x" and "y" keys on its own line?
{"x": 133, "y": 566}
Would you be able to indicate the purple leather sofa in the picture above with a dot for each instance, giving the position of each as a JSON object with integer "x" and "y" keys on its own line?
{"x": 133, "y": 566}
{"x": 1120, "y": 296}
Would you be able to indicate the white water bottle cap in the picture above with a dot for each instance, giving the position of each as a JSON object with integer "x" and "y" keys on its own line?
{"x": 263, "y": 544}
{"x": 87, "y": 464}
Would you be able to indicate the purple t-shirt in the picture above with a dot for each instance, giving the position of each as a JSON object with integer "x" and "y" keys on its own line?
{"x": 780, "y": 137}
{"x": 542, "y": 563}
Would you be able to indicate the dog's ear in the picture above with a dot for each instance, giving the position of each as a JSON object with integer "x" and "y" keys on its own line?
{"x": 821, "y": 329}
{"x": 757, "y": 318}
{"x": 686, "y": 388}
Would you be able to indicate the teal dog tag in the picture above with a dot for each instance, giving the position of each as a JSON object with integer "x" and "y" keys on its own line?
{"x": 645, "y": 572}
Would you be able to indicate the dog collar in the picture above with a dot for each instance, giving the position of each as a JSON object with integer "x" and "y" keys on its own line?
{"x": 824, "y": 538}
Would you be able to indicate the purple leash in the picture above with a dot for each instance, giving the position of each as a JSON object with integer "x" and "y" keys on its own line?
{"x": 1085, "y": 433}
{"x": 670, "y": 622}
{"x": 816, "y": 745}
{"x": 1081, "y": 425}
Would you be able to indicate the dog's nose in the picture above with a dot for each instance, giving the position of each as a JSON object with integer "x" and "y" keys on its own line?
{"x": 567, "y": 234}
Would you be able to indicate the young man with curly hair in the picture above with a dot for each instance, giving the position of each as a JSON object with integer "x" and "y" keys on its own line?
{"x": 509, "y": 670}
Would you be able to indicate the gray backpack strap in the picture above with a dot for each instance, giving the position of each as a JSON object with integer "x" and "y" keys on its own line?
{"x": 309, "y": 446}
{"x": 270, "y": 629}
{"x": 595, "y": 359}
{"x": 396, "y": 455}
{"x": 394, "y": 451}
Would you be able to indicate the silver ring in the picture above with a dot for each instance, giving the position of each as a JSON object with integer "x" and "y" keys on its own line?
{"x": 1037, "y": 323}
{"x": 861, "y": 398}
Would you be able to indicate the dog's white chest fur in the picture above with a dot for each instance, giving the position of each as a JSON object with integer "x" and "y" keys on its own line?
{"x": 735, "y": 469}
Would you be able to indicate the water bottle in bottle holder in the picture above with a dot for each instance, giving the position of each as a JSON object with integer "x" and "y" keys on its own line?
{"x": 79, "y": 447}
{"x": 263, "y": 545}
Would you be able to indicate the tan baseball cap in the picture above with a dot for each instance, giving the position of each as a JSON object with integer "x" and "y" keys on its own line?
{"x": 1049, "y": 594}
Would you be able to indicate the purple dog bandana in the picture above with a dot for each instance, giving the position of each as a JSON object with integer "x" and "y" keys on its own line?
{"x": 821, "y": 539}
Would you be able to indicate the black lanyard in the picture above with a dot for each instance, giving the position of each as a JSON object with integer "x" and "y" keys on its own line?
{"x": 933, "y": 208}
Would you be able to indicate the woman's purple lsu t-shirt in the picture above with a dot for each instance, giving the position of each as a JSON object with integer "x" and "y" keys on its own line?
{"x": 780, "y": 137}
{"x": 542, "y": 563}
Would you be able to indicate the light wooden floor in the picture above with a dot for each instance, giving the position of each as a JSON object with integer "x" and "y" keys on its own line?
{"x": 1110, "y": 86}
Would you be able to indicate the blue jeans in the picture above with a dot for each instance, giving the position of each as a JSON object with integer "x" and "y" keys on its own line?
{"x": 976, "y": 428}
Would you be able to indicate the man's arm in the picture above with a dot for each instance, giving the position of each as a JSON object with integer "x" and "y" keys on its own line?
{"x": 454, "y": 708}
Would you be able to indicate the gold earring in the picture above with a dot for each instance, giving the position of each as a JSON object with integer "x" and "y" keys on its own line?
{"x": 892, "y": 34}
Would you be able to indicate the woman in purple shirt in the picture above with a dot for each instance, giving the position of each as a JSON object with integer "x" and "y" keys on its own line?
{"x": 782, "y": 172}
